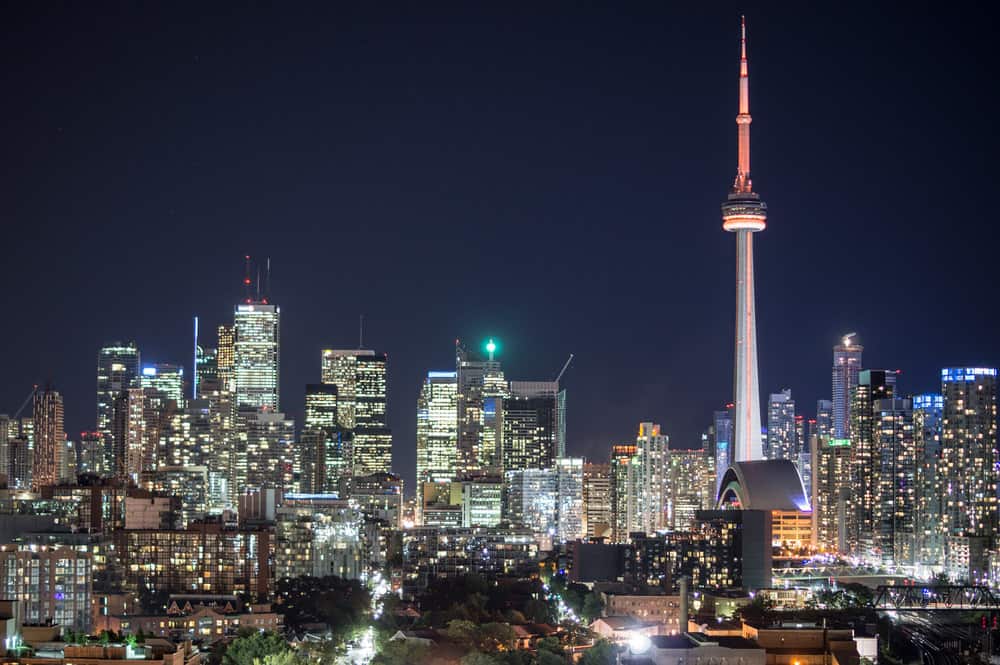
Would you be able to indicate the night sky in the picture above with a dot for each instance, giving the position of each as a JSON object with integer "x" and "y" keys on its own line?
{"x": 548, "y": 176}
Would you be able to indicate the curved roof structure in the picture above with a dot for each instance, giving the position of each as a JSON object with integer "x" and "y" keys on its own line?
{"x": 763, "y": 485}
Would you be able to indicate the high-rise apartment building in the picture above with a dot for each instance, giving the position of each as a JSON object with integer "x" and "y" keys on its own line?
{"x": 822, "y": 425}
{"x": 136, "y": 426}
{"x": 50, "y": 438}
{"x": 873, "y": 386}
{"x": 846, "y": 366}
{"x": 117, "y": 370}
{"x": 534, "y": 432}
{"x": 91, "y": 459}
{"x": 621, "y": 462}
{"x": 782, "y": 438}
{"x": 690, "y": 486}
{"x": 360, "y": 376}
{"x": 969, "y": 451}
{"x": 648, "y": 482}
{"x": 927, "y": 413}
{"x": 167, "y": 378}
{"x": 831, "y": 492}
{"x": 895, "y": 519}
{"x": 437, "y": 428}
{"x": 531, "y": 500}
{"x": 481, "y": 388}
{"x": 267, "y": 443}
{"x": 256, "y": 355}
{"x": 569, "y": 505}
{"x": 598, "y": 514}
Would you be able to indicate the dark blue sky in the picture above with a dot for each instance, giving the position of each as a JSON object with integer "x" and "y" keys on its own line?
{"x": 548, "y": 176}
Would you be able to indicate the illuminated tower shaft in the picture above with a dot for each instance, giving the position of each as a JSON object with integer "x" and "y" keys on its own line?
{"x": 743, "y": 213}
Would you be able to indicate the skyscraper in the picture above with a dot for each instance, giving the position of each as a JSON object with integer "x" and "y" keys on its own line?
{"x": 782, "y": 438}
{"x": 138, "y": 414}
{"x": 481, "y": 387}
{"x": 50, "y": 438}
{"x": 167, "y": 378}
{"x": 896, "y": 460}
{"x": 969, "y": 451}
{"x": 649, "y": 472}
{"x": 690, "y": 486}
{"x": 225, "y": 357}
{"x": 531, "y": 500}
{"x": 598, "y": 513}
{"x": 256, "y": 355}
{"x": 569, "y": 503}
{"x": 437, "y": 428}
{"x": 621, "y": 460}
{"x": 846, "y": 365}
{"x": 927, "y": 413}
{"x": 267, "y": 440}
{"x": 831, "y": 492}
{"x": 360, "y": 377}
{"x": 744, "y": 214}
{"x": 723, "y": 424}
{"x": 823, "y": 424}
{"x": 533, "y": 421}
{"x": 340, "y": 368}
{"x": 117, "y": 370}
{"x": 873, "y": 386}
{"x": 325, "y": 452}
{"x": 207, "y": 368}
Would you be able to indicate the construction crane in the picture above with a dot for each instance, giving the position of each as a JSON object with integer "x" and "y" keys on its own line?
{"x": 17, "y": 414}
{"x": 27, "y": 400}
{"x": 564, "y": 368}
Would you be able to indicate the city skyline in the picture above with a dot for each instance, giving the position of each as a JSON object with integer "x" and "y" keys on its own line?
{"x": 679, "y": 393}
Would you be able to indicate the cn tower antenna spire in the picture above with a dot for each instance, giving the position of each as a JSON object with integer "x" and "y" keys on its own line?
{"x": 744, "y": 214}
{"x": 743, "y": 183}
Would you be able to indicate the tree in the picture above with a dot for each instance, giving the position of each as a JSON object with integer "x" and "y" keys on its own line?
{"x": 495, "y": 637}
{"x": 539, "y": 611}
{"x": 592, "y": 607}
{"x": 477, "y": 658}
{"x": 549, "y": 658}
{"x": 401, "y": 652}
{"x": 256, "y": 646}
{"x": 283, "y": 658}
{"x": 602, "y": 653}
{"x": 462, "y": 633}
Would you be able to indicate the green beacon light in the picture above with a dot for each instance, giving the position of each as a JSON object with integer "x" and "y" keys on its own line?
{"x": 491, "y": 348}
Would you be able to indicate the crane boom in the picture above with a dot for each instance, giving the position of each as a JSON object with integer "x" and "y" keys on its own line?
{"x": 27, "y": 400}
{"x": 564, "y": 368}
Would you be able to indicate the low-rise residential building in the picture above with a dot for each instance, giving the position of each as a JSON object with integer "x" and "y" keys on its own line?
{"x": 53, "y": 584}
{"x": 209, "y": 622}
{"x": 648, "y": 605}
{"x": 623, "y": 630}
{"x": 431, "y": 553}
{"x": 693, "y": 649}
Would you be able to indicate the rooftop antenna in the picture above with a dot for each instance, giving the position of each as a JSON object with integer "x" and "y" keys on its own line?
{"x": 194, "y": 375}
{"x": 258, "y": 283}
{"x": 246, "y": 278}
{"x": 361, "y": 332}
{"x": 267, "y": 280}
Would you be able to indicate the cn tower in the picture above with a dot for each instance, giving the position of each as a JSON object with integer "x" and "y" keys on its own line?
{"x": 743, "y": 213}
